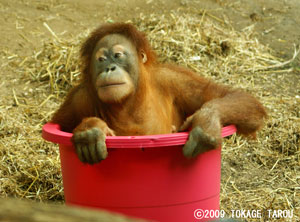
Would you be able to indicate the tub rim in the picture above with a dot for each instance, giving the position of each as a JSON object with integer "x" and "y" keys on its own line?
{"x": 51, "y": 132}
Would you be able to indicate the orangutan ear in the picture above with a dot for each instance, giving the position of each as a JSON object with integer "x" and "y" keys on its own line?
{"x": 144, "y": 57}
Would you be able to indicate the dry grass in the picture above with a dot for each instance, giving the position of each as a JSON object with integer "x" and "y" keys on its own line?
{"x": 262, "y": 174}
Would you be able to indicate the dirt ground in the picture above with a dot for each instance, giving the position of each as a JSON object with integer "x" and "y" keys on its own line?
{"x": 276, "y": 21}
{"x": 23, "y": 32}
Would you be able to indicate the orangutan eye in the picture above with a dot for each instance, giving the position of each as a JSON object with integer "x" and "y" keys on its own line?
{"x": 118, "y": 55}
{"x": 101, "y": 59}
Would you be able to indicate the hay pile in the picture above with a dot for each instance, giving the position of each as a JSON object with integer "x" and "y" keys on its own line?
{"x": 262, "y": 174}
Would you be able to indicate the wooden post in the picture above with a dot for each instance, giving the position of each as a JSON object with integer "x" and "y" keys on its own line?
{"x": 13, "y": 210}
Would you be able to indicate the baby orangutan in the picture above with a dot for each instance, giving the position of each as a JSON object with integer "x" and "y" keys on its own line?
{"x": 126, "y": 91}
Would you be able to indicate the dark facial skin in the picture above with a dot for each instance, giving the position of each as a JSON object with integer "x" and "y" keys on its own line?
{"x": 115, "y": 68}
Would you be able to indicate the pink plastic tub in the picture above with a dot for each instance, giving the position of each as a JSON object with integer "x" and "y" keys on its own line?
{"x": 143, "y": 176}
